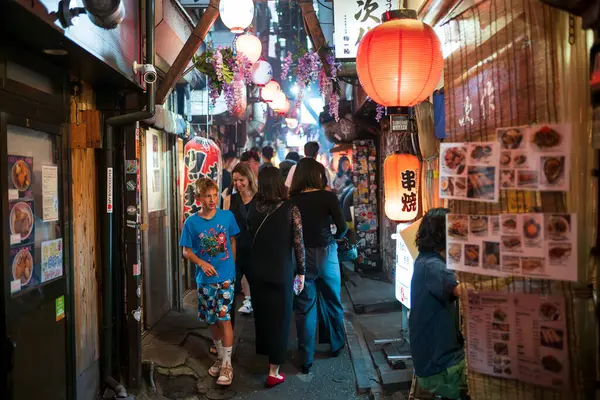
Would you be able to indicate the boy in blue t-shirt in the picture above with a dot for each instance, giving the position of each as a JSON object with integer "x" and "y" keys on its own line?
{"x": 208, "y": 240}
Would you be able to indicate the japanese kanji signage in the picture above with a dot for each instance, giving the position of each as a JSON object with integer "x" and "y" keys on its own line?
{"x": 401, "y": 184}
{"x": 202, "y": 160}
{"x": 352, "y": 19}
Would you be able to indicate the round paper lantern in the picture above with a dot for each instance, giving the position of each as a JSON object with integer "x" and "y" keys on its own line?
{"x": 284, "y": 108}
{"x": 399, "y": 63}
{"x": 401, "y": 186}
{"x": 278, "y": 102}
{"x": 270, "y": 91}
{"x": 261, "y": 73}
{"x": 236, "y": 14}
{"x": 250, "y": 46}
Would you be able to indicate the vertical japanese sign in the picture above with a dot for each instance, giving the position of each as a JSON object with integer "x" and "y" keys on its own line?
{"x": 49, "y": 193}
{"x": 352, "y": 19}
{"x": 109, "y": 190}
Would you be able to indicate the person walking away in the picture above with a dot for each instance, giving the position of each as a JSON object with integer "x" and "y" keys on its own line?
{"x": 311, "y": 150}
{"x": 239, "y": 204}
{"x": 436, "y": 343}
{"x": 267, "y": 157}
{"x": 343, "y": 177}
{"x": 286, "y": 165}
{"x": 208, "y": 240}
{"x": 319, "y": 209}
{"x": 252, "y": 159}
{"x": 274, "y": 273}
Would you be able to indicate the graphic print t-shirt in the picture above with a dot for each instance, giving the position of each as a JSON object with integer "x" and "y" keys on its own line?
{"x": 210, "y": 239}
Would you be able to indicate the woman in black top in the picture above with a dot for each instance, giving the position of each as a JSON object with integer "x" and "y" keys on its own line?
{"x": 276, "y": 227}
{"x": 319, "y": 208}
{"x": 244, "y": 182}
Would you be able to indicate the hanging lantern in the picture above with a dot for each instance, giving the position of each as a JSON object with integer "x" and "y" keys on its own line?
{"x": 270, "y": 91}
{"x": 261, "y": 73}
{"x": 250, "y": 46}
{"x": 278, "y": 102}
{"x": 399, "y": 63}
{"x": 236, "y": 14}
{"x": 285, "y": 107}
{"x": 401, "y": 186}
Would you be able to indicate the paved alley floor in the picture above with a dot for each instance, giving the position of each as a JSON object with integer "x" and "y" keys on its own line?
{"x": 179, "y": 345}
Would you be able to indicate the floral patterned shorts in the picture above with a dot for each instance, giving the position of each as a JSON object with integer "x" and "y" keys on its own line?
{"x": 215, "y": 301}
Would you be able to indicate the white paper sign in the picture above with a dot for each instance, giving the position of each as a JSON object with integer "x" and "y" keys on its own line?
{"x": 470, "y": 171}
{"x": 404, "y": 269}
{"x": 15, "y": 286}
{"x": 109, "y": 190}
{"x": 542, "y": 246}
{"x": 352, "y": 19}
{"x": 49, "y": 193}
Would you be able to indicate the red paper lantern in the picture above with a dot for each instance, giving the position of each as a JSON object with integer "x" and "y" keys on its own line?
{"x": 270, "y": 91}
{"x": 202, "y": 158}
{"x": 250, "y": 46}
{"x": 399, "y": 63}
{"x": 401, "y": 186}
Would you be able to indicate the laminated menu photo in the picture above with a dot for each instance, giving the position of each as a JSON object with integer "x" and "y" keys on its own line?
{"x": 469, "y": 171}
{"x": 534, "y": 245}
{"x": 535, "y": 157}
{"x": 20, "y": 177}
{"x": 518, "y": 336}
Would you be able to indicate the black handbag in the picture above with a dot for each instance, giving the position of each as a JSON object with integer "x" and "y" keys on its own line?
{"x": 346, "y": 250}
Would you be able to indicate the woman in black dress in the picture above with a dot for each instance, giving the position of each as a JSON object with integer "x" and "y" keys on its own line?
{"x": 276, "y": 226}
{"x": 322, "y": 294}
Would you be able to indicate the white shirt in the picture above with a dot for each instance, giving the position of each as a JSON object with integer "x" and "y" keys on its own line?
{"x": 290, "y": 177}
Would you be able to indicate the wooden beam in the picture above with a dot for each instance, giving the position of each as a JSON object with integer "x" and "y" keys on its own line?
{"x": 188, "y": 50}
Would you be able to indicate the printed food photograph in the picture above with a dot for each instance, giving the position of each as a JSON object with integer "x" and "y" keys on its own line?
{"x": 23, "y": 266}
{"x": 509, "y": 223}
{"x": 455, "y": 252}
{"x": 478, "y": 225}
{"x": 558, "y": 227}
{"x": 500, "y": 327}
{"x": 21, "y": 220}
{"x": 481, "y": 183}
{"x": 553, "y": 169}
{"x": 500, "y": 315}
{"x": 21, "y": 175}
{"x": 549, "y": 312}
{"x": 552, "y": 338}
{"x": 495, "y": 224}
{"x": 511, "y": 138}
{"x": 552, "y": 364}
{"x": 532, "y": 265}
{"x": 458, "y": 226}
{"x": 510, "y": 263}
{"x": 520, "y": 160}
{"x": 491, "y": 255}
{"x": 472, "y": 255}
{"x": 546, "y": 138}
{"x": 527, "y": 178}
{"x": 507, "y": 178}
{"x": 505, "y": 158}
{"x": 559, "y": 254}
{"x": 460, "y": 186}
{"x": 501, "y": 348}
{"x": 532, "y": 229}
{"x": 454, "y": 160}
{"x": 511, "y": 243}
{"x": 480, "y": 154}
{"x": 447, "y": 186}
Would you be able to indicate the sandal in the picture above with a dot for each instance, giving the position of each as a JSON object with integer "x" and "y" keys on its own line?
{"x": 226, "y": 376}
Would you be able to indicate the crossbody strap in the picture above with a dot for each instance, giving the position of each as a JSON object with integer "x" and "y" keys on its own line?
{"x": 260, "y": 226}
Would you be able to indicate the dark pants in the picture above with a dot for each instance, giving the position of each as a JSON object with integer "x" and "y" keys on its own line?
{"x": 321, "y": 295}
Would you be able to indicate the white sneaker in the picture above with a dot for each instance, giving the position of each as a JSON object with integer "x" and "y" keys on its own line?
{"x": 215, "y": 369}
{"x": 246, "y": 307}
{"x": 226, "y": 375}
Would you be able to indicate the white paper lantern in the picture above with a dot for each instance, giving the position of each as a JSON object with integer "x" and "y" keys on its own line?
{"x": 269, "y": 91}
{"x": 279, "y": 102}
{"x": 262, "y": 73}
{"x": 250, "y": 46}
{"x": 236, "y": 14}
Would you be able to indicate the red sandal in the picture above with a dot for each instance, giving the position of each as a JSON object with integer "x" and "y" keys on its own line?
{"x": 273, "y": 381}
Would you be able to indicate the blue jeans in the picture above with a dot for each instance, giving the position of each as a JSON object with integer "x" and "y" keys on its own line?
{"x": 321, "y": 295}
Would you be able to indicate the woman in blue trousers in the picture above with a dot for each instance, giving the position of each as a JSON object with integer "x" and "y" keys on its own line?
{"x": 319, "y": 209}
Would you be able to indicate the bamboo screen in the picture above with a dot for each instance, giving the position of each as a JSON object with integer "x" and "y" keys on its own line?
{"x": 518, "y": 62}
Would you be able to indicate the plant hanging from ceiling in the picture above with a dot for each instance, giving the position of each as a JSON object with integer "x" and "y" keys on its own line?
{"x": 309, "y": 69}
{"x": 226, "y": 73}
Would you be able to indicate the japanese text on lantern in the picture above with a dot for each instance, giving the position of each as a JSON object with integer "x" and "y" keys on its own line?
{"x": 401, "y": 186}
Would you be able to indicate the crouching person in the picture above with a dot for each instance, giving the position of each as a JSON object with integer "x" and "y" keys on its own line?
{"x": 208, "y": 240}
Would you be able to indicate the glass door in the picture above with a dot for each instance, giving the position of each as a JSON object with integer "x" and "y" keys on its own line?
{"x": 34, "y": 218}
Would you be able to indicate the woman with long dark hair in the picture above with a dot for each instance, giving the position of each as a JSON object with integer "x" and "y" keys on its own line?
{"x": 319, "y": 208}
{"x": 436, "y": 343}
{"x": 274, "y": 274}
{"x": 343, "y": 177}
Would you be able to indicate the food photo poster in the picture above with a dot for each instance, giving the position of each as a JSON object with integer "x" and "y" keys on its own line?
{"x": 518, "y": 336}
{"x": 536, "y": 157}
{"x": 541, "y": 246}
{"x": 470, "y": 171}
{"x": 20, "y": 169}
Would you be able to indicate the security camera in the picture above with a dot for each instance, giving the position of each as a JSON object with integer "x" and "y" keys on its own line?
{"x": 147, "y": 70}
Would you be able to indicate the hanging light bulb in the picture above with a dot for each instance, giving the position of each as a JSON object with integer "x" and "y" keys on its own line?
{"x": 250, "y": 46}
{"x": 269, "y": 91}
{"x": 236, "y": 14}
{"x": 262, "y": 73}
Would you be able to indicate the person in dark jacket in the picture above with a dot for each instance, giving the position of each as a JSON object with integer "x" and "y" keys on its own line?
{"x": 319, "y": 208}
{"x": 286, "y": 165}
{"x": 437, "y": 345}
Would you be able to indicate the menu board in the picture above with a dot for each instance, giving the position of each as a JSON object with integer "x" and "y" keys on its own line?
{"x": 535, "y": 157}
{"x": 543, "y": 246}
{"x": 470, "y": 171}
{"x": 518, "y": 336}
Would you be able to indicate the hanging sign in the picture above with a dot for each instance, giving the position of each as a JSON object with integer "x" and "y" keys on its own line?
{"x": 406, "y": 254}
{"x": 202, "y": 159}
{"x": 351, "y": 20}
{"x": 401, "y": 186}
{"x": 109, "y": 190}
